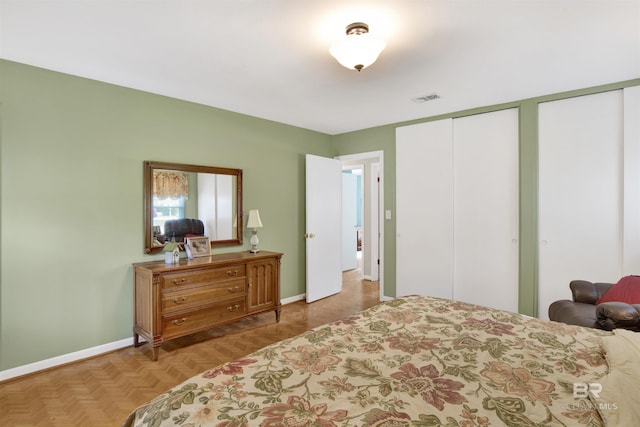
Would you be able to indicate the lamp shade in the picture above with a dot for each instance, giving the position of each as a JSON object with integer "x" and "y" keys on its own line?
{"x": 254, "y": 219}
{"x": 357, "y": 51}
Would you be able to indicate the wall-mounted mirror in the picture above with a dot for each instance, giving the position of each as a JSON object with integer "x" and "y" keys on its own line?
{"x": 190, "y": 200}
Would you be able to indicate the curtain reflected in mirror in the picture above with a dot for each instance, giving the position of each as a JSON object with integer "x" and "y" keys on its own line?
{"x": 188, "y": 200}
{"x": 170, "y": 184}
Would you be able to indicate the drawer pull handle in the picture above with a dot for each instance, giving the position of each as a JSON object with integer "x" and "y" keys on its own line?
{"x": 234, "y": 308}
{"x": 179, "y": 282}
{"x": 179, "y": 322}
{"x": 232, "y": 272}
{"x": 234, "y": 289}
{"x": 179, "y": 300}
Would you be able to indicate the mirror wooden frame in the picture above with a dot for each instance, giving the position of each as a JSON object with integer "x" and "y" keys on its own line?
{"x": 149, "y": 167}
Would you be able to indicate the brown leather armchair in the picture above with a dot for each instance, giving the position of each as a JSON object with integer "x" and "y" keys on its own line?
{"x": 177, "y": 229}
{"x": 584, "y": 311}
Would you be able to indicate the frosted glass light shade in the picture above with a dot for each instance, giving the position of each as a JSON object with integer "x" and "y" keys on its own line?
{"x": 254, "y": 219}
{"x": 357, "y": 51}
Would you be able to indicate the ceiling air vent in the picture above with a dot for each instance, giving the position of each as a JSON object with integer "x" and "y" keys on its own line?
{"x": 426, "y": 98}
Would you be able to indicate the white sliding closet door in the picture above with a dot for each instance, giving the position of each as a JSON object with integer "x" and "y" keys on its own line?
{"x": 424, "y": 209}
{"x": 485, "y": 189}
{"x": 457, "y": 209}
{"x": 580, "y": 193}
{"x": 631, "y": 225}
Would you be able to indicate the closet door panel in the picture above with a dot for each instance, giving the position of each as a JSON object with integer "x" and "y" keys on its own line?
{"x": 485, "y": 188}
{"x": 631, "y": 235}
{"x": 424, "y": 209}
{"x": 580, "y": 193}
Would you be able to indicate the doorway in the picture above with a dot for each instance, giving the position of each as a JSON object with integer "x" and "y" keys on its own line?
{"x": 368, "y": 233}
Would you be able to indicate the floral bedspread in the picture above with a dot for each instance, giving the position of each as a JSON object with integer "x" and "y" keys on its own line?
{"x": 414, "y": 361}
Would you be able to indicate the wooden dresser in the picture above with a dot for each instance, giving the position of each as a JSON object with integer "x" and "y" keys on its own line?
{"x": 173, "y": 300}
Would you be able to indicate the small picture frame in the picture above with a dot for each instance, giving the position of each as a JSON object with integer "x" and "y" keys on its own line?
{"x": 198, "y": 246}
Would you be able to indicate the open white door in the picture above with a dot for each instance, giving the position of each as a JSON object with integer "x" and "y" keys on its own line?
{"x": 323, "y": 227}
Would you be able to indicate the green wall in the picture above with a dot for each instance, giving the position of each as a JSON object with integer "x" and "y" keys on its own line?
{"x": 71, "y": 153}
{"x": 71, "y": 200}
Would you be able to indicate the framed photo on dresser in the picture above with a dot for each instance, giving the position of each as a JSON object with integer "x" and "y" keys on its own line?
{"x": 198, "y": 246}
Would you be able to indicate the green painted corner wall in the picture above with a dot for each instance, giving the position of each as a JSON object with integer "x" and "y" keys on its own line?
{"x": 383, "y": 138}
{"x": 72, "y": 151}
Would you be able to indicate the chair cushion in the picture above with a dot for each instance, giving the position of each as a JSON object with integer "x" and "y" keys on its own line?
{"x": 573, "y": 313}
{"x": 626, "y": 290}
{"x": 588, "y": 292}
{"x": 615, "y": 314}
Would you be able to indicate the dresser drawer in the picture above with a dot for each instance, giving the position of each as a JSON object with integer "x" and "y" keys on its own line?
{"x": 184, "y": 324}
{"x": 183, "y": 279}
{"x": 183, "y": 299}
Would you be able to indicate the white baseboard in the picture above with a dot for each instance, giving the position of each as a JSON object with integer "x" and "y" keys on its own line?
{"x": 89, "y": 352}
{"x": 293, "y": 299}
{"x": 86, "y": 353}
{"x": 64, "y": 359}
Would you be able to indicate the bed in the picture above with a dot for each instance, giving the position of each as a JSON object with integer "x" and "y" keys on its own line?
{"x": 417, "y": 361}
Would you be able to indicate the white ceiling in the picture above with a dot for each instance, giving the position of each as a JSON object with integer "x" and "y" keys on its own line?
{"x": 269, "y": 58}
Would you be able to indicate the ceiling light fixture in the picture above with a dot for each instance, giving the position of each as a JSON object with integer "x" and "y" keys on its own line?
{"x": 359, "y": 49}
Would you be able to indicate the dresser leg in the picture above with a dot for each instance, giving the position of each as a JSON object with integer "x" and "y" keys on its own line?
{"x": 136, "y": 340}
{"x": 278, "y": 315}
{"x": 154, "y": 353}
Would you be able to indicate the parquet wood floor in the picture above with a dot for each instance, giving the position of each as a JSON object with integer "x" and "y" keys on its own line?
{"x": 101, "y": 391}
